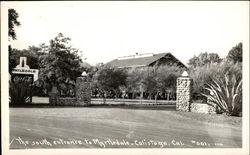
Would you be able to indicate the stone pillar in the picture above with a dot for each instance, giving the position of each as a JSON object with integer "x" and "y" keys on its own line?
{"x": 83, "y": 90}
{"x": 53, "y": 96}
{"x": 184, "y": 85}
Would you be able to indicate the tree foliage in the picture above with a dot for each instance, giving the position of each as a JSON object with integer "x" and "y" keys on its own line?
{"x": 153, "y": 82}
{"x": 235, "y": 54}
{"x": 161, "y": 81}
{"x": 13, "y": 21}
{"x": 32, "y": 53}
{"x": 167, "y": 76}
{"x": 146, "y": 82}
{"x": 203, "y": 59}
{"x": 135, "y": 80}
{"x": 60, "y": 65}
{"x": 150, "y": 82}
{"x": 111, "y": 79}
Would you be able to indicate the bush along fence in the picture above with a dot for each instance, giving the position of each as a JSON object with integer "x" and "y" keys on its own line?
{"x": 184, "y": 101}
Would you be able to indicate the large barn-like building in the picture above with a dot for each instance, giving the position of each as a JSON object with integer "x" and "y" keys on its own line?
{"x": 145, "y": 60}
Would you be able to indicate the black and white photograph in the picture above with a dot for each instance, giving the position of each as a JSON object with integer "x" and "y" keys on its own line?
{"x": 149, "y": 76}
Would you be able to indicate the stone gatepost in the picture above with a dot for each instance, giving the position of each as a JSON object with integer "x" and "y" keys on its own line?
{"x": 53, "y": 96}
{"x": 83, "y": 90}
{"x": 184, "y": 85}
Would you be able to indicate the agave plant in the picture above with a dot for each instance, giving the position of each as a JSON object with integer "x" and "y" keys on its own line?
{"x": 226, "y": 94}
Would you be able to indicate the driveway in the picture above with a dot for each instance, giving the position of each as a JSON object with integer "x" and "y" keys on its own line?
{"x": 109, "y": 127}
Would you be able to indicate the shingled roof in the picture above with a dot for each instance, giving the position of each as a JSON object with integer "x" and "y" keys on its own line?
{"x": 141, "y": 61}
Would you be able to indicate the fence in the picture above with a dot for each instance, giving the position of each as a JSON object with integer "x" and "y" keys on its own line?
{"x": 132, "y": 101}
{"x": 182, "y": 103}
{"x": 99, "y": 101}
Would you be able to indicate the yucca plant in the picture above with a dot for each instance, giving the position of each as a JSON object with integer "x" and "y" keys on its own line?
{"x": 226, "y": 94}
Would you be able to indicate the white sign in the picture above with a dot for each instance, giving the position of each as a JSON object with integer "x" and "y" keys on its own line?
{"x": 23, "y": 68}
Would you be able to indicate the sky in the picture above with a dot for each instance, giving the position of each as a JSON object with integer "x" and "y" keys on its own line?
{"x": 104, "y": 31}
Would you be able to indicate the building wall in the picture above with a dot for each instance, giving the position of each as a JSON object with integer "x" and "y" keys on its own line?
{"x": 167, "y": 61}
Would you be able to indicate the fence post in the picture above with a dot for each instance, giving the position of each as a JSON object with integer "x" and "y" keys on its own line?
{"x": 83, "y": 90}
{"x": 183, "y": 92}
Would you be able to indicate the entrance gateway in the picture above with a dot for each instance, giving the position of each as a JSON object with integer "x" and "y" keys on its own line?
{"x": 23, "y": 71}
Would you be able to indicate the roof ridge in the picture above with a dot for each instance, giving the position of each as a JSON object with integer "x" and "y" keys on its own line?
{"x": 140, "y": 61}
{"x": 163, "y": 53}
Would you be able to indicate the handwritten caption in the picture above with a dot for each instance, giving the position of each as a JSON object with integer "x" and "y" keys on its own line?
{"x": 112, "y": 143}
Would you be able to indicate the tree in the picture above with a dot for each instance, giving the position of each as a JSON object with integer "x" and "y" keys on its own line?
{"x": 235, "y": 54}
{"x": 151, "y": 83}
{"x": 60, "y": 65}
{"x": 110, "y": 80}
{"x": 135, "y": 81}
{"x": 203, "y": 59}
{"x": 167, "y": 79}
{"x": 161, "y": 82}
{"x": 32, "y": 53}
{"x": 13, "y": 21}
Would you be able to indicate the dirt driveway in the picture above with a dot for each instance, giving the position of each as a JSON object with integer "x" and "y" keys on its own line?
{"x": 107, "y": 127}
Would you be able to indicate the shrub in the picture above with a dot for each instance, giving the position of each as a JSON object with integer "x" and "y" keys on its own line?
{"x": 226, "y": 94}
{"x": 235, "y": 54}
{"x": 216, "y": 71}
{"x": 20, "y": 90}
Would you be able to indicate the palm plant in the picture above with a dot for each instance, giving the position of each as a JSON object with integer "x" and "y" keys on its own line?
{"x": 226, "y": 94}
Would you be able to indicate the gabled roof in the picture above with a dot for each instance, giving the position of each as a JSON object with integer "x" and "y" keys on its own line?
{"x": 140, "y": 61}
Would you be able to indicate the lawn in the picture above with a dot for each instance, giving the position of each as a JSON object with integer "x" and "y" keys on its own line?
{"x": 120, "y": 127}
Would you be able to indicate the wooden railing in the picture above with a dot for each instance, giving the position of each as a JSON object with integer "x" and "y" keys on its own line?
{"x": 132, "y": 101}
{"x": 45, "y": 100}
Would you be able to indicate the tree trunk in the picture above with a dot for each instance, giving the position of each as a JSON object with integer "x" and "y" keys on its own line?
{"x": 156, "y": 95}
{"x": 133, "y": 95}
{"x": 104, "y": 98}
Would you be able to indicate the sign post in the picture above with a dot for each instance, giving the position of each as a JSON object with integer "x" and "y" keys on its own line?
{"x": 23, "y": 72}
